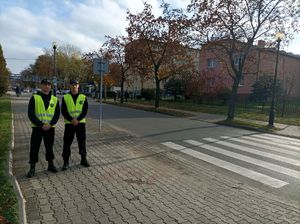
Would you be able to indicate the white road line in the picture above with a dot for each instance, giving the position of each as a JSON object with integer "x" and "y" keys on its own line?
{"x": 267, "y": 180}
{"x": 283, "y": 137}
{"x": 248, "y": 159}
{"x": 270, "y": 142}
{"x": 254, "y": 151}
{"x": 282, "y": 141}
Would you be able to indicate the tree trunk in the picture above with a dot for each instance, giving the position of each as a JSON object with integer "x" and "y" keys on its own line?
{"x": 175, "y": 95}
{"x": 232, "y": 100}
{"x": 283, "y": 105}
{"x": 157, "y": 91}
{"x": 122, "y": 90}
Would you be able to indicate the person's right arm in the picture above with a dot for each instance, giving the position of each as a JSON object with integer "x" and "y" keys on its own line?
{"x": 31, "y": 113}
{"x": 64, "y": 111}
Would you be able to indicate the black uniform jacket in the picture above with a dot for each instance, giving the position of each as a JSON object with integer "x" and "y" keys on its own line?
{"x": 31, "y": 110}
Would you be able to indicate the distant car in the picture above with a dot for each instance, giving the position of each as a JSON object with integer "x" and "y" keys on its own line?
{"x": 34, "y": 91}
{"x": 65, "y": 91}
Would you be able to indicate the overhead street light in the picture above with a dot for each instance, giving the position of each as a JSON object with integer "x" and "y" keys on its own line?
{"x": 279, "y": 37}
{"x": 54, "y": 69}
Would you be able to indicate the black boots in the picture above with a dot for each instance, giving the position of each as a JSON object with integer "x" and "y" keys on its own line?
{"x": 66, "y": 165}
{"x": 51, "y": 167}
{"x": 83, "y": 161}
{"x": 31, "y": 172}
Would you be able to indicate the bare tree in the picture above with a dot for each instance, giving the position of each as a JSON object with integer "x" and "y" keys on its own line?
{"x": 120, "y": 53}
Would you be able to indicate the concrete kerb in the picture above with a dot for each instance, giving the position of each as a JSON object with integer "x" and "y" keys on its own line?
{"x": 20, "y": 197}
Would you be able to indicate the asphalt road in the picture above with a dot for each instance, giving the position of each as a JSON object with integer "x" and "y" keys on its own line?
{"x": 159, "y": 127}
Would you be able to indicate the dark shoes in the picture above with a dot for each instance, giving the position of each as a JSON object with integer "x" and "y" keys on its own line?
{"x": 66, "y": 165}
{"x": 31, "y": 172}
{"x": 84, "y": 162}
{"x": 51, "y": 167}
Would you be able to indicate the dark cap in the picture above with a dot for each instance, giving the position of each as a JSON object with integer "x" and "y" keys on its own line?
{"x": 46, "y": 81}
{"x": 74, "y": 81}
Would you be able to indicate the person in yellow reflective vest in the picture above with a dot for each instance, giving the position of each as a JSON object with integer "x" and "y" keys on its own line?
{"x": 74, "y": 108}
{"x": 43, "y": 112}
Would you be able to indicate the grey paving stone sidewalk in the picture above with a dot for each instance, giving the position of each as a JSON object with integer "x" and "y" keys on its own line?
{"x": 132, "y": 181}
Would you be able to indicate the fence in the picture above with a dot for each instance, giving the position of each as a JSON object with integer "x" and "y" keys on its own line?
{"x": 283, "y": 108}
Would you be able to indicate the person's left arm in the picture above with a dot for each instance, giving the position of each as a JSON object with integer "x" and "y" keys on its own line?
{"x": 56, "y": 114}
{"x": 84, "y": 110}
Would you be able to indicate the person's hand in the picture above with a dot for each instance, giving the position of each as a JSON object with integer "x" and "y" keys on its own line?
{"x": 46, "y": 127}
{"x": 75, "y": 122}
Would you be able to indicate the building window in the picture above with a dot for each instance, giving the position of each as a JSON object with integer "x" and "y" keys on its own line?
{"x": 242, "y": 81}
{"x": 210, "y": 82}
{"x": 236, "y": 60}
{"x": 211, "y": 63}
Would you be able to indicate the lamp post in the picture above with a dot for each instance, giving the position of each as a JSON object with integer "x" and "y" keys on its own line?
{"x": 279, "y": 37}
{"x": 54, "y": 68}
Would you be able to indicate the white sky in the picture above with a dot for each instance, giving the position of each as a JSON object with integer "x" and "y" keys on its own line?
{"x": 27, "y": 27}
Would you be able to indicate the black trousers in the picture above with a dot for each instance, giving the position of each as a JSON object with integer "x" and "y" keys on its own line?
{"x": 36, "y": 139}
{"x": 70, "y": 131}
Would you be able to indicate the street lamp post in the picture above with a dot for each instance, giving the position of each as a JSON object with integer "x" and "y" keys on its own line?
{"x": 54, "y": 68}
{"x": 279, "y": 37}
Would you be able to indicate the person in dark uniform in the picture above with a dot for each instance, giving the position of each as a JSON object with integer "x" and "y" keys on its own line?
{"x": 18, "y": 90}
{"x": 74, "y": 108}
{"x": 43, "y": 112}
{"x": 126, "y": 95}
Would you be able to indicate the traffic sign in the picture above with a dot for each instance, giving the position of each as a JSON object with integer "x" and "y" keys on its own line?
{"x": 100, "y": 66}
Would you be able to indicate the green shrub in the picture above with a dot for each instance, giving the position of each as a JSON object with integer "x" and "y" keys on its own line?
{"x": 148, "y": 94}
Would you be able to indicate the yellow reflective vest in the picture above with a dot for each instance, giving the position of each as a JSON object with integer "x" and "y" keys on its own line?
{"x": 74, "y": 109}
{"x": 43, "y": 114}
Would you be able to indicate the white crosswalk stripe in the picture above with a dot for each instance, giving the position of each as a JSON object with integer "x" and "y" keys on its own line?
{"x": 283, "y": 138}
{"x": 252, "y": 143}
{"x": 279, "y": 140}
{"x": 247, "y": 159}
{"x": 276, "y": 144}
{"x": 229, "y": 166}
{"x": 256, "y": 150}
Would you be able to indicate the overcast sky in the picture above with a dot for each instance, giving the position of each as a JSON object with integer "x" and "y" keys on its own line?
{"x": 29, "y": 26}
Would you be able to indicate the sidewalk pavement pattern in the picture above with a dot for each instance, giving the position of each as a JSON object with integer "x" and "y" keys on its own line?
{"x": 132, "y": 181}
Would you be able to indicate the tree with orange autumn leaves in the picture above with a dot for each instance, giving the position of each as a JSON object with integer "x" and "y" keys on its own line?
{"x": 69, "y": 65}
{"x": 162, "y": 52}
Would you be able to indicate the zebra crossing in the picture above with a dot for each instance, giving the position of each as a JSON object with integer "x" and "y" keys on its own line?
{"x": 278, "y": 154}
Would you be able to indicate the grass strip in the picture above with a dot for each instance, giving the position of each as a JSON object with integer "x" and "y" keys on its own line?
{"x": 8, "y": 200}
{"x": 249, "y": 125}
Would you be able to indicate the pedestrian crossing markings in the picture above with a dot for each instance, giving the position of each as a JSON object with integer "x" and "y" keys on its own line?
{"x": 285, "y": 145}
